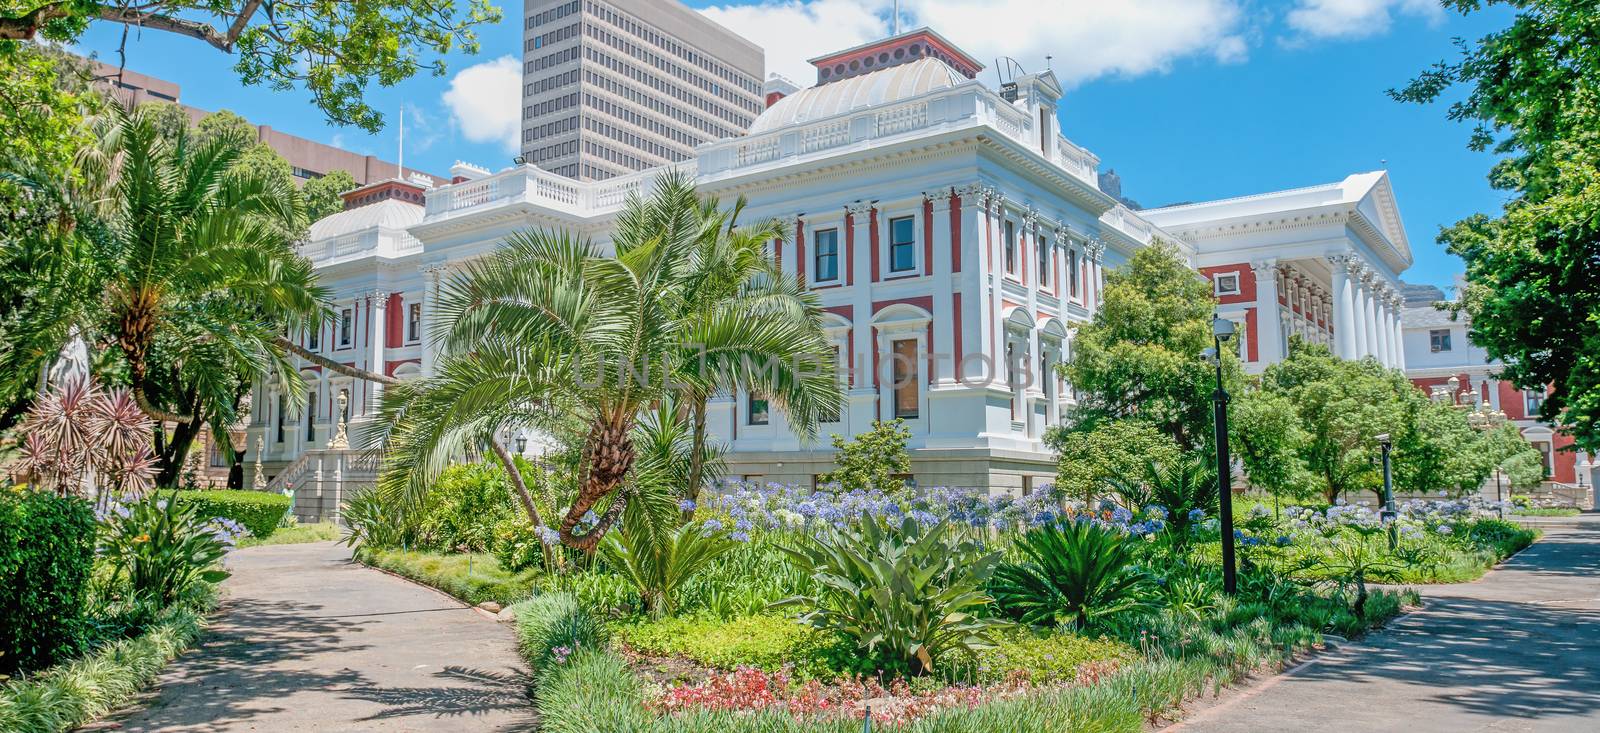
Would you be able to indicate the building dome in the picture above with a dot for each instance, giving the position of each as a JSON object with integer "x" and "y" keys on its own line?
{"x": 868, "y": 90}
{"x": 387, "y": 214}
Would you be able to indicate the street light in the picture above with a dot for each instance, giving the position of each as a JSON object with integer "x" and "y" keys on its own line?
{"x": 522, "y": 443}
{"x": 1221, "y": 331}
{"x": 1389, "y": 514}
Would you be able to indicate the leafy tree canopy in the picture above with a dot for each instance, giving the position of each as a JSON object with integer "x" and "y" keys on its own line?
{"x": 322, "y": 195}
{"x": 1141, "y": 355}
{"x": 876, "y": 459}
{"x": 1533, "y": 95}
{"x": 331, "y": 49}
{"x": 1112, "y": 449}
{"x": 1267, "y": 438}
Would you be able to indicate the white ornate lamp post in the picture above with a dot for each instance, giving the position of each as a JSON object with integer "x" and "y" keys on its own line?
{"x": 341, "y": 438}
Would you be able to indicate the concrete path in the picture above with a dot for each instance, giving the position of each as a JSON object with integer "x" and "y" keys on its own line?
{"x": 1518, "y": 650}
{"x": 308, "y": 641}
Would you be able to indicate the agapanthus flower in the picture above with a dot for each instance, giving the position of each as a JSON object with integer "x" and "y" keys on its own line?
{"x": 686, "y": 505}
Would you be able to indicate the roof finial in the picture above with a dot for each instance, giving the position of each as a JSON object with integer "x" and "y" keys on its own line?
{"x": 400, "y": 167}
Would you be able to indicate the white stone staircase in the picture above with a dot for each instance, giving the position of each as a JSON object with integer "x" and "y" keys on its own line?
{"x": 321, "y": 480}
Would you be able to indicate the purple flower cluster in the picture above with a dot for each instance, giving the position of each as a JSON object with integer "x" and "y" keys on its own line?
{"x": 227, "y": 531}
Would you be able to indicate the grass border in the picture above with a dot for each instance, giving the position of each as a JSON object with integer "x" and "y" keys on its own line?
{"x": 80, "y": 691}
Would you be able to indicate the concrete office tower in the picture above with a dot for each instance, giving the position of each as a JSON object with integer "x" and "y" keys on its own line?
{"x": 616, "y": 86}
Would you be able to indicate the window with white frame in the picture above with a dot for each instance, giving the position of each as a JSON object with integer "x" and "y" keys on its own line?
{"x": 311, "y": 416}
{"x": 1044, "y": 263}
{"x": 825, "y": 256}
{"x": 756, "y": 411}
{"x": 1533, "y": 399}
{"x": 1439, "y": 340}
{"x": 413, "y": 321}
{"x": 345, "y": 322}
{"x": 1227, "y": 283}
{"x": 1072, "y": 272}
{"x": 312, "y": 340}
{"x": 902, "y": 244}
{"x": 1011, "y": 247}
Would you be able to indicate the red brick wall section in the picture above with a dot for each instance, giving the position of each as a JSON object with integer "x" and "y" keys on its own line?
{"x": 872, "y": 241}
{"x": 1251, "y": 347}
{"x": 927, "y": 237}
{"x": 396, "y": 315}
{"x": 800, "y": 249}
{"x": 849, "y": 249}
{"x": 1247, "y": 282}
{"x": 955, "y": 235}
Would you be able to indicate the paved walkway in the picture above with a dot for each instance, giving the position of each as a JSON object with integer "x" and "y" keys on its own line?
{"x": 1518, "y": 650}
{"x": 308, "y": 641}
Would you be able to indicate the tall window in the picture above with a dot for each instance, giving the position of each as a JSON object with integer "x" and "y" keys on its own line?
{"x": 1011, "y": 379}
{"x": 902, "y": 247}
{"x": 1044, "y": 263}
{"x": 1544, "y": 450}
{"x": 1072, "y": 271}
{"x": 1439, "y": 340}
{"x": 906, "y": 395}
{"x": 312, "y": 340}
{"x": 311, "y": 416}
{"x": 1011, "y": 246}
{"x": 344, "y": 327}
{"x": 282, "y": 405}
{"x": 758, "y": 410}
{"x": 838, "y": 369}
{"x": 1534, "y": 400}
{"x": 825, "y": 255}
{"x": 413, "y": 321}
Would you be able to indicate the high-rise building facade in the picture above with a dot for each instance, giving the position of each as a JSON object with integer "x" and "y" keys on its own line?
{"x": 616, "y": 86}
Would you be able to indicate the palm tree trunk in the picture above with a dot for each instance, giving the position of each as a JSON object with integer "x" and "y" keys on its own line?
{"x": 515, "y": 477}
{"x": 607, "y": 457}
{"x": 331, "y": 365}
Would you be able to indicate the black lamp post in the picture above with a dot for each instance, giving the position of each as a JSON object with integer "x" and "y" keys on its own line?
{"x": 1390, "y": 514}
{"x": 1221, "y": 331}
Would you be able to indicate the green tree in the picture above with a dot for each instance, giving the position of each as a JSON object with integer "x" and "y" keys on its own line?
{"x": 1141, "y": 355}
{"x": 331, "y": 49}
{"x": 550, "y": 324}
{"x": 1269, "y": 440}
{"x": 323, "y": 195}
{"x": 1504, "y": 447}
{"x": 1533, "y": 95}
{"x": 1439, "y": 450}
{"x": 876, "y": 459}
{"x": 1342, "y": 406}
{"x": 1112, "y": 449}
{"x": 49, "y": 275}
{"x": 202, "y": 280}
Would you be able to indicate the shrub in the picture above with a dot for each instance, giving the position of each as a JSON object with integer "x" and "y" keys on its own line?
{"x": 767, "y": 641}
{"x": 163, "y": 547}
{"x": 517, "y": 544}
{"x": 1073, "y": 574}
{"x": 657, "y": 568}
{"x": 46, "y": 555}
{"x": 259, "y": 511}
{"x": 1181, "y": 486}
{"x": 73, "y": 693}
{"x": 591, "y": 691}
{"x": 905, "y": 594}
{"x": 372, "y": 520}
{"x": 462, "y": 508}
{"x": 553, "y": 626}
{"x": 1048, "y": 657}
{"x": 876, "y": 459}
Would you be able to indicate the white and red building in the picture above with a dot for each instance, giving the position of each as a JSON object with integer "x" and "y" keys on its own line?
{"x": 951, "y": 230}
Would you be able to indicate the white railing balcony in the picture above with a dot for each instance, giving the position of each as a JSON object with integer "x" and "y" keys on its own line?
{"x": 533, "y": 185}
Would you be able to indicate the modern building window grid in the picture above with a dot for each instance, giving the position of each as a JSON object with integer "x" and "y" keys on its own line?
{"x": 749, "y": 103}
{"x": 630, "y": 93}
{"x": 644, "y": 32}
{"x": 661, "y": 84}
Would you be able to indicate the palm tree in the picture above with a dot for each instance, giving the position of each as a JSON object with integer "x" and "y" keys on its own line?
{"x": 203, "y": 278}
{"x": 551, "y": 325}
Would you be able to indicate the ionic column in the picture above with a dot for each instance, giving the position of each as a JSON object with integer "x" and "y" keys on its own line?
{"x": 1397, "y": 329}
{"x": 1385, "y": 330}
{"x": 975, "y": 322}
{"x": 1269, "y": 314}
{"x": 1369, "y": 306}
{"x": 944, "y": 317}
{"x": 431, "y": 275}
{"x": 997, "y": 213}
{"x": 1344, "y": 314}
{"x": 1095, "y": 251}
{"x": 377, "y": 343}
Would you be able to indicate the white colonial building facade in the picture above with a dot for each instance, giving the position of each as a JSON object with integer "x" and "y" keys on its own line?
{"x": 956, "y": 238}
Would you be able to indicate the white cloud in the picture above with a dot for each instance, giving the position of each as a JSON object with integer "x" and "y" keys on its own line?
{"x": 1355, "y": 18}
{"x": 1087, "y": 38}
{"x": 483, "y": 102}
{"x": 792, "y": 31}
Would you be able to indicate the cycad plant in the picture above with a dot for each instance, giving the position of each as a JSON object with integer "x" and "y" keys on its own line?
{"x": 554, "y": 325}
{"x": 1181, "y": 486}
{"x": 658, "y": 565}
{"x": 907, "y": 595}
{"x": 1073, "y": 574}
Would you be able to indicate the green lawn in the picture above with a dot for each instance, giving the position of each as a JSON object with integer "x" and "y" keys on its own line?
{"x": 320, "y": 532}
{"x": 473, "y": 578}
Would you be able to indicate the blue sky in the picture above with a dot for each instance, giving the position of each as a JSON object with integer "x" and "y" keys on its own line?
{"x": 1187, "y": 99}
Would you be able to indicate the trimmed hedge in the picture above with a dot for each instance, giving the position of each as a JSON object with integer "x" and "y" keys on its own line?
{"x": 73, "y": 693}
{"x": 259, "y": 511}
{"x": 46, "y": 559}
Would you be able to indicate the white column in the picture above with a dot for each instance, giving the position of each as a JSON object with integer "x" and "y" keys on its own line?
{"x": 1369, "y": 306}
{"x": 377, "y": 343}
{"x": 1344, "y": 313}
{"x": 1269, "y": 313}
{"x": 1094, "y": 250}
{"x": 1385, "y": 330}
{"x": 1397, "y": 331}
{"x": 863, "y": 392}
{"x": 974, "y": 264}
{"x": 430, "y": 300}
{"x": 997, "y": 276}
{"x": 944, "y": 316}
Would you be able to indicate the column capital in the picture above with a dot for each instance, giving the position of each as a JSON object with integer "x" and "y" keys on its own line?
{"x": 939, "y": 197}
{"x": 976, "y": 191}
{"x": 1264, "y": 268}
{"x": 1344, "y": 262}
{"x": 857, "y": 208}
{"x": 433, "y": 269}
{"x": 1094, "y": 248}
{"x": 377, "y": 298}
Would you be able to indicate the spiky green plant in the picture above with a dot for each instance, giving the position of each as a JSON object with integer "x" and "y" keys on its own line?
{"x": 1074, "y": 574}
{"x": 657, "y": 565}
